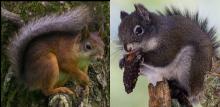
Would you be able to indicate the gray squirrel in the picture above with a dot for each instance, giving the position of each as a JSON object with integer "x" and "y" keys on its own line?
{"x": 48, "y": 51}
{"x": 177, "y": 46}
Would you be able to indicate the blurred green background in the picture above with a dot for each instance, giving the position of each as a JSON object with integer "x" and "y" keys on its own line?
{"x": 139, "y": 96}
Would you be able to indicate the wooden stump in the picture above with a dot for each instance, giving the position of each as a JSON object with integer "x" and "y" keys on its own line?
{"x": 159, "y": 95}
{"x": 60, "y": 100}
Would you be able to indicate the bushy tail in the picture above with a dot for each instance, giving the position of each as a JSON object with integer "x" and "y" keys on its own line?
{"x": 203, "y": 24}
{"x": 71, "y": 21}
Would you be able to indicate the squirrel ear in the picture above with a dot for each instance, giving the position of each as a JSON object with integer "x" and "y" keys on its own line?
{"x": 85, "y": 33}
{"x": 123, "y": 14}
{"x": 101, "y": 31}
{"x": 142, "y": 11}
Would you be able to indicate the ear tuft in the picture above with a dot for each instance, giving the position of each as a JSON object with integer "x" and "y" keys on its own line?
{"x": 123, "y": 14}
{"x": 101, "y": 31}
{"x": 142, "y": 11}
{"x": 85, "y": 33}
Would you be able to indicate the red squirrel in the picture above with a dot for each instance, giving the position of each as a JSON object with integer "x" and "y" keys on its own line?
{"x": 176, "y": 46}
{"x": 48, "y": 51}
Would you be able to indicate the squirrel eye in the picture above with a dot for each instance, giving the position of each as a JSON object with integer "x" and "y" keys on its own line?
{"x": 88, "y": 46}
{"x": 138, "y": 30}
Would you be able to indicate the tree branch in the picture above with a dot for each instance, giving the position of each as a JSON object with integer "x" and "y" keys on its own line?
{"x": 14, "y": 18}
{"x": 159, "y": 95}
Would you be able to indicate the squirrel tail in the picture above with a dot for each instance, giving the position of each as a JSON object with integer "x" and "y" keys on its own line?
{"x": 71, "y": 21}
{"x": 203, "y": 24}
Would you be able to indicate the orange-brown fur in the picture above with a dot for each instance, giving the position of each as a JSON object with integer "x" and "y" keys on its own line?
{"x": 48, "y": 56}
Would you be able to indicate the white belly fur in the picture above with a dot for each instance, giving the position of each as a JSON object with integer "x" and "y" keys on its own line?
{"x": 178, "y": 69}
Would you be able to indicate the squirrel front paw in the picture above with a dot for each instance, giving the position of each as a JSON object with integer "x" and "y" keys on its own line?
{"x": 85, "y": 83}
{"x": 152, "y": 75}
{"x": 144, "y": 70}
{"x": 86, "y": 91}
{"x": 58, "y": 90}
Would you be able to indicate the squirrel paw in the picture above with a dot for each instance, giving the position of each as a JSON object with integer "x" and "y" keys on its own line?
{"x": 143, "y": 70}
{"x": 86, "y": 91}
{"x": 63, "y": 90}
{"x": 58, "y": 90}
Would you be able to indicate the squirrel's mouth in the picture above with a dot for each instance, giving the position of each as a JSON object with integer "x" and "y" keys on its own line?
{"x": 133, "y": 51}
{"x": 131, "y": 47}
{"x": 99, "y": 57}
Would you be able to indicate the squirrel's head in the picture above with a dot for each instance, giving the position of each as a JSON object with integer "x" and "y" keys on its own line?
{"x": 138, "y": 30}
{"x": 92, "y": 46}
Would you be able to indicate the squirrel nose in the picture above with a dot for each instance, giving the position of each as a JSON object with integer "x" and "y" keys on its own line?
{"x": 125, "y": 47}
{"x": 128, "y": 47}
{"x": 99, "y": 58}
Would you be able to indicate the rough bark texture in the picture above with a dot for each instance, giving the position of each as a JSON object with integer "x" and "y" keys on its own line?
{"x": 159, "y": 95}
{"x": 212, "y": 86}
{"x": 15, "y": 94}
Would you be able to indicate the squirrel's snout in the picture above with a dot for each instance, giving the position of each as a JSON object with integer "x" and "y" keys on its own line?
{"x": 129, "y": 47}
{"x": 100, "y": 57}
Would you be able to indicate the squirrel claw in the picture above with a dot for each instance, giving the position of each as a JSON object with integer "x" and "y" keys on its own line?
{"x": 86, "y": 91}
{"x": 66, "y": 90}
{"x": 141, "y": 71}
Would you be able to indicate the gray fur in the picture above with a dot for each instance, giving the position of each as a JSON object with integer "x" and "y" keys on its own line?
{"x": 203, "y": 24}
{"x": 181, "y": 49}
{"x": 71, "y": 21}
{"x": 149, "y": 45}
{"x": 178, "y": 69}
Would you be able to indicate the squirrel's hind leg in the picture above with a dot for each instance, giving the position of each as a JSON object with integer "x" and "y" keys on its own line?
{"x": 48, "y": 75}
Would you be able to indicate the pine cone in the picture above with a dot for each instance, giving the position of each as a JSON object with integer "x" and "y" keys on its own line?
{"x": 131, "y": 63}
